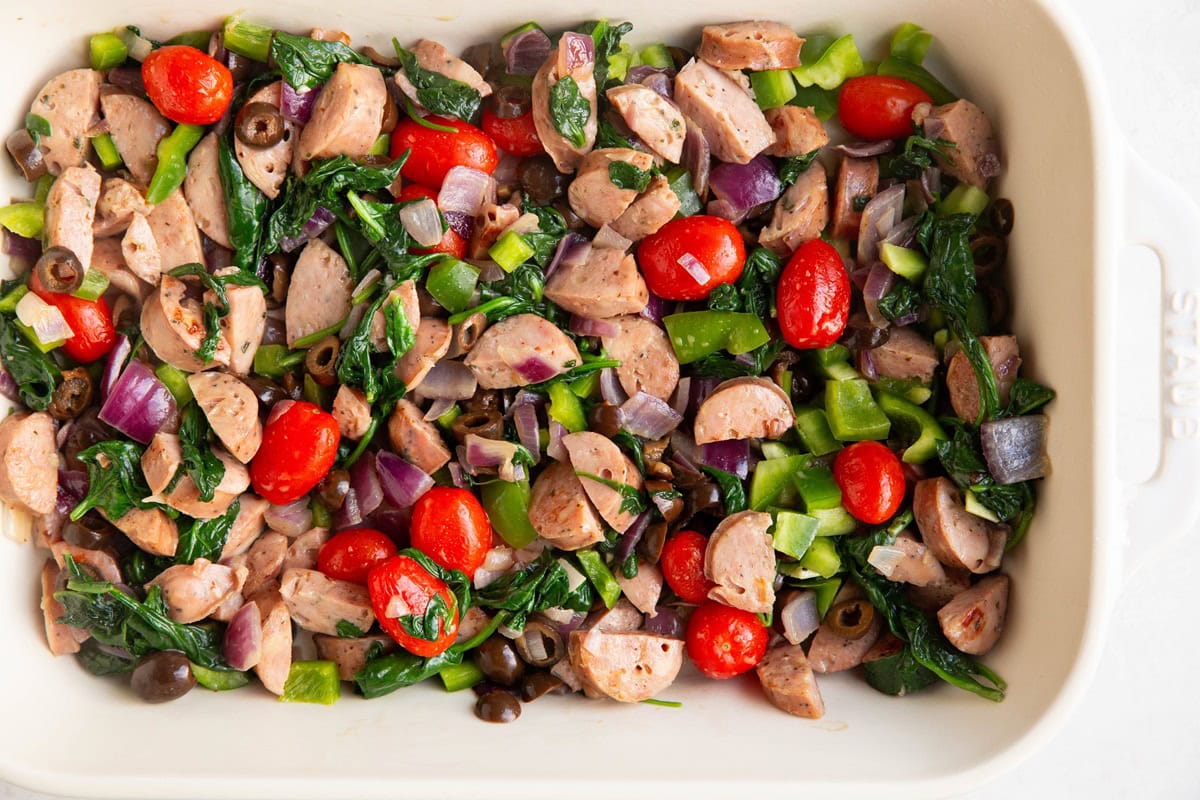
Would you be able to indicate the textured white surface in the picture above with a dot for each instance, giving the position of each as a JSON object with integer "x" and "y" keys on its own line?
{"x": 1135, "y": 734}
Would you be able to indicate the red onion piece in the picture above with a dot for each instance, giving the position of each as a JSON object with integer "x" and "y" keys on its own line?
{"x": 242, "y": 645}
{"x": 350, "y": 514}
{"x": 460, "y": 223}
{"x": 402, "y": 483}
{"x": 697, "y": 158}
{"x": 866, "y": 365}
{"x": 555, "y": 448}
{"x": 138, "y": 403}
{"x": 437, "y": 408}
{"x": 702, "y": 387}
{"x": 632, "y": 535}
{"x": 681, "y": 395}
{"x": 880, "y": 281}
{"x": 577, "y": 50}
{"x": 902, "y": 234}
{"x": 292, "y": 519}
{"x": 655, "y": 310}
{"x": 364, "y": 479}
{"x": 660, "y": 80}
{"x": 744, "y": 186}
{"x": 526, "y": 52}
{"x": 21, "y": 247}
{"x": 879, "y": 216}
{"x": 297, "y": 106}
{"x": 685, "y": 450}
{"x": 465, "y": 190}
{"x": 584, "y": 326}
{"x": 530, "y": 365}
{"x": 457, "y": 476}
{"x": 866, "y": 149}
{"x": 610, "y": 387}
{"x": 113, "y": 364}
{"x": 74, "y": 482}
{"x": 694, "y": 267}
{"x": 481, "y": 452}
{"x": 321, "y": 219}
{"x": 572, "y": 249}
{"x": 525, "y": 419}
{"x": 799, "y": 616}
{"x": 448, "y": 380}
{"x": 665, "y": 622}
{"x": 931, "y": 184}
{"x": 647, "y": 416}
{"x": 1015, "y": 448}
{"x": 731, "y": 455}
{"x": 393, "y": 521}
{"x": 279, "y": 409}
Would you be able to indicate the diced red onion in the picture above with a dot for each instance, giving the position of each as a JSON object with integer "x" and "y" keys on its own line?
{"x": 448, "y": 380}
{"x": 655, "y": 310}
{"x": 702, "y": 387}
{"x": 364, "y": 479}
{"x": 632, "y": 535}
{"x": 555, "y": 448}
{"x": 744, "y": 186}
{"x": 866, "y": 149}
{"x": 880, "y": 281}
{"x": 585, "y": 326}
{"x": 321, "y": 219}
{"x": 931, "y": 184}
{"x": 437, "y": 408}
{"x": 660, "y": 80}
{"x": 457, "y": 476}
{"x": 138, "y": 403}
{"x": 113, "y": 364}
{"x": 292, "y": 519}
{"x": 422, "y": 222}
{"x": 866, "y": 365}
{"x": 74, "y": 482}
{"x": 879, "y": 216}
{"x": 610, "y": 387}
{"x": 297, "y": 106}
{"x": 481, "y": 452}
{"x": 1015, "y": 448}
{"x": 697, "y": 158}
{"x": 579, "y": 50}
{"x": 903, "y": 233}
{"x": 799, "y": 616}
{"x": 21, "y": 247}
{"x": 681, "y": 395}
{"x": 693, "y": 267}
{"x": 910, "y": 318}
{"x": 465, "y": 190}
{"x": 572, "y": 249}
{"x": 392, "y": 521}
{"x": 402, "y": 483}
{"x": 648, "y": 416}
{"x": 460, "y": 223}
{"x": 665, "y": 622}
{"x": 685, "y": 450}
{"x": 526, "y": 52}
{"x": 350, "y": 514}
{"x": 608, "y": 237}
{"x": 642, "y": 71}
{"x": 731, "y": 455}
{"x": 525, "y": 419}
{"x": 242, "y": 645}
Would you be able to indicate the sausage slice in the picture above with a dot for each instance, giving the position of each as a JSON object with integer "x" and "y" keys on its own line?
{"x": 231, "y": 408}
{"x": 348, "y": 115}
{"x": 657, "y": 206}
{"x": 350, "y": 655}
{"x": 955, "y": 536}
{"x": 830, "y": 651}
{"x": 593, "y": 196}
{"x": 434, "y": 57}
{"x": 204, "y": 193}
{"x": 732, "y": 122}
{"x": 800, "y": 215}
{"x": 916, "y": 566}
{"x": 744, "y": 408}
{"x": 417, "y": 439}
{"x": 275, "y": 661}
{"x": 119, "y": 201}
{"x": 352, "y": 412}
{"x": 511, "y": 342}
{"x": 974, "y": 619}
{"x": 267, "y": 167}
{"x": 644, "y": 588}
{"x": 193, "y": 591}
{"x": 905, "y": 355}
{"x": 628, "y": 667}
{"x": 62, "y": 639}
{"x": 264, "y": 561}
{"x": 318, "y": 603}
{"x": 173, "y": 326}
{"x": 150, "y": 529}
{"x": 108, "y": 259}
{"x": 565, "y": 153}
{"x": 648, "y": 362}
{"x": 303, "y": 552}
{"x": 857, "y": 178}
{"x": 753, "y": 44}
{"x": 136, "y": 128}
{"x": 654, "y": 118}
{"x": 593, "y": 454}
{"x": 975, "y": 156}
{"x": 99, "y": 563}
{"x": 798, "y": 131}
{"x": 963, "y": 387}
{"x": 139, "y": 250}
{"x": 175, "y": 232}
{"x": 248, "y": 525}
{"x": 740, "y": 559}
{"x": 28, "y": 462}
{"x": 788, "y": 682}
{"x": 319, "y": 295}
{"x": 430, "y": 345}
{"x": 70, "y": 102}
{"x": 605, "y": 284}
{"x": 243, "y": 326}
{"x": 559, "y": 509}
{"x": 71, "y": 211}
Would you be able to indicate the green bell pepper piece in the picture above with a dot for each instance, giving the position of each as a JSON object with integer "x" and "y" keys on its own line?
{"x": 696, "y": 334}
{"x": 24, "y": 219}
{"x": 657, "y": 56}
{"x": 833, "y": 362}
{"x": 247, "y": 39}
{"x": 826, "y": 592}
{"x": 772, "y": 450}
{"x": 94, "y": 284}
{"x": 452, "y": 283}
{"x": 312, "y": 682}
{"x": 911, "y": 42}
{"x": 106, "y": 151}
{"x": 813, "y": 428}
{"x": 507, "y": 506}
{"x": 219, "y": 680}
{"x": 772, "y": 88}
{"x": 894, "y": 67}
{"x": 566, "y": 409}
{"x": 818, "y": 490}
{"x": 910, "y": 389}
{"x": 321, "y": 516}
{"x": 914, "y": 424}
{"x": 31, "y": 337}
{"x": 834, "y": 521}
{"x": 822, "y": 558}
{"x": 274, "y": 360}
{"x": 106, "y": 50}
{"x": 772, "y": 482}
{"x": 8, "y": 303}
{"x": 196, "y": 39}
{"x": 446, "y": 420}
{"x": 839, "y": 61}
{"x": 510, "y": 251}
{"x": 853, "y": 414}
{"x": 592, "y": 565}
{"x": 680, "y": 181}
{"x": 794, "y": 533}
{"x": 963, "y": 199}
{"x": 176, "y": 382}
{"x": 823, "y": 102}
{"x": 464, "y": 675}
{"x": 903, "y": 261}
{"x": 173, "y": 151}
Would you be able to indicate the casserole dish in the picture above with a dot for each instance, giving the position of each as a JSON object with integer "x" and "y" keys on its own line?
{"x": 71, "y": 735}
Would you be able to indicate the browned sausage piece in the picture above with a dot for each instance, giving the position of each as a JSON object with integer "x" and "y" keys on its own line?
{"x": 565, "y": 153}
{"x": 744, "y": 408}
{"x": 732, "y": 122}
{"x": 139, "y": 250}
{"x": 962, "y": 385}
{"x": 788, "y": 682}
{"x": 242, "y": 328}
{"x": 264, "y": 561}
{"x": 593, "y": 454}
{"x": 974, "y": 619}
{"x": 275, "y": 662}
{"x": 352, "y": 412}
{"x": 907, "y": 561}
{"x": 654, "y": 118}
{"x": 150, "y": 529}
{"x": 62, "y": 639}
{"x": 110, "y": 262}
{"x": 267, "y": 167}
{"x": 318, "y": 603}
{"x": 28, "y": 462}
{"x": 648, "y": 362}
{"x": 628, "y": 667}
{"x": 753, "y": 44}
{"x": 644, "y": 588}
{"x": 623, "y": 617}
{"x": 248, "y": 525}
{"x": 350, "y": 655}
{"x": 434, "y": 57}
{"x": 492, "y": 221}
{"x": 656, "y": 206}
{"x": 857, "y": 182}
{"x": 593, "y": 196}
{"x": 71, "y": 211}
{"x": 512, "y": 341}
{"x": 798, "y": 131}
{"x": 905, "y": 355}
{"x": 606, "y": 284}
{"x": 303, "y": 552}
{"x": 203, "y": 191}
{"x": 319, "y": 295}
{"x": 347, "y": 116}
{"x": 559, "y": 509}
{"x": 417, "y": 439}
{"x": 70, "y": 102}
{"x": 800, "y": 215}
{"x": 830, "y": 651}
{"x": 175, "y": 232}
{"x": 119, "y": 201}
{"x": 173, "y": 326}
{"x": 932, "y": 597}
{"x": 431, "y": 343}
{"x": 976, "y": 155}
{"x": 136, "y": 128}
{"x": 741, "y": 561}
{"x": 193, "y": 591}
{"x": 231, "y": 408}
{"x": 955, "y": 536}
{"x": 101, "y": 564}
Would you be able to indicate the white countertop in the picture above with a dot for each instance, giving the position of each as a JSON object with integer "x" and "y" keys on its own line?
{"x": 1135, "y": 734}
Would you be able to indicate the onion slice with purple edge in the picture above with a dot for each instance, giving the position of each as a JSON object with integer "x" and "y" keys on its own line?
{"x": 572, "y": 249}
{"x": 694, "y": 267}
{"x": 647, "y": 416}
{"x": 437, "y": 408}
{"x": 297, "y": 106}
{"x": 1015, "y": 448}
{"x": 481, "y": 452}
{"x": 697, "y": 158}
{"x": 448, "y": 380}
{"x": 681, "y": 395}
{"x": 866, "y": 365}
{"x": 632, "y": 535}
{"x": 113, "y": 365}
{"x": 321, "y": 219}
{"x": 292, "y": 519}
{"x": 364, "y": 479}
{"x": 21, "y": 246}
{"x": 799, "y": 616}
{"x": 903, "y": 233}
{"x": 526, "y": 52}
{"x": 422, "y": 221}
{"x": 350, "y": 514}
{"x": 525, "y": 419}
{"x": 402, "y": 482}
{"x": 586, "y": 326}
{"x": 138, "y": 403}
{"x": 931, "y": 184}
{"x": 731, "y": 455}
{"x": 665, "y": 621}
{"x": 242, "y": 645}
{"x": 555, "y": 448}
{"x": 880, "y": 281}
{"x": 610, "y": 387}
{"x": 744, "y": 186}
{"x": 879, "y": 216}
{"x": 865, "y": 149}
{"x": 655, "y": 310}
{"x": 465, "y": 190}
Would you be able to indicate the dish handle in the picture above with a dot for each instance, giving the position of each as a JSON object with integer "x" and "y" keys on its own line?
{"x": 1161, "y": 216}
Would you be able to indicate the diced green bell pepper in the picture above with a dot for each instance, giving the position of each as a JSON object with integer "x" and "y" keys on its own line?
{"x": 826, "y": 592}
{"x": 904, "y": 261}
{"x": 911, "y": 42}
{"x": 176, "y": 382}
{"x": 680, "y": 181}
{"x": 380, "y": 147}
{"x": 247, "y": 39}
{"x": 106, "y": 151}
{"x": 657, "y": 56}
{"x": 822, "y": 557}
{"x": 963, "y": 199}
{"x": 566, "y": 409}
{"x": 447, "y": 419}
{"x": 794, "y": 533}
{"x": 838, "y": 62}
{"x": 817, "y": 488}
{"x": 312, "y": 682}
{"x": 833, "y": 362}
{"x": 8, "y": 303}
{"x": 106, "y": 50}
{"x": 452, "y": 283}
{"x": 274, "y": 360}
{"x": 196, "y": 39}
{"x": 910, "y": 389}
{"x": 834, "y": 521}
{"x": 893, "y": 67}
{"x": 914, "y": 424}
{"x": 852, "y": 412}
{"x": 772, "y": 482}
{"x": 507, "y": 507}
{"x": 172, "y": 152}
{"x": 772, "y": 449}
{"x": 592, "y": 565}
{"x": 772, "y": 88}
{"x": 813, "y": 428}
{"x": 24, "y": 219}
{"x": 456, "y": 677}
{"x": 510, "y": 251}
{"x": 94, "y": 284}
{"x": 321, "y": 516}
{"x": 696, "y": 334}
{"x": 219, "y": 680}
{"x": 32, "y": 338}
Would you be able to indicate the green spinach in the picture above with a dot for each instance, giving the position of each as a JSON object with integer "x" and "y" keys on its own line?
{"x": 733, "y": 493}
{"x": 632, "y": 501}
{"x": 37, "y": 127}
{"x": 901, "y": 300}
{"x": 542, "y": 584}
{"x": 245, "y": 206}
{"x": 633, "y": 445}
{"x": 570, "y": 111}
{"x": 625, "y": 175}
{"x": 607, "y": 38}
{"x": 790, "y": 169}
{"x": 34, "y": 372}
{"x": 199, "y": 463}
{"x": 436, "y": 92}
{"x": 116, "y": 484}
{"x": 348, "y": 630}
{"x": 916, "y": 157}
{"x": 307, "y": 63}
{"x": 205, "y": 538}
{"x": 1027, "y": 396}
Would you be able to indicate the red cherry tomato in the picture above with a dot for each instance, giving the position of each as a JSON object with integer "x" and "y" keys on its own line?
{"x": 872, "y": 481}
{"x": 187, "y": 85}
{"x": 89, "y": 320}
{"x": 434, "y": 152}
{"x": 401, "y": 586}
{"x": 451, "y": 527}
{"x": 813, "y": 296}
{"x": 298, "y": 448}
{"x": 723, "y": 641}
{"x": 682, "y": 563}
{"x": 879, "y": 107}
{"x": 516, "y": 135}
{"x": 351, "y": 554}
{"x": 712, "y": 241}
{"x": 451, "y": 244}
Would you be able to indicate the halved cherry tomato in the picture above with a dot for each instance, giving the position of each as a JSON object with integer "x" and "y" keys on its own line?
{"x": 516, "y": 135}
{"x": 879, "y": 107}
{"x": 813, "y": 296}
{"x": 298, "y": 448}
{"x": 350, "y": 555}
{"x": 434, "y": 152}
{"x": 451, "y": 527}
{"x": 451, "y": 244}
{"x": 89, "y": 320}
{"x": 711, "y": 244}
{"x": 723, "y": 641}
{"x": 872, "y": 481}
{"x": 399, "y": 587}
{"x": 187, "y": 85}
{"x": 682, "y": 563}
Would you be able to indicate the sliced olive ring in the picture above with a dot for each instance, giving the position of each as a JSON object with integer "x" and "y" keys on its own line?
{"x": 851, "y": 619}
{"x": 59, "y": 271}
{"x": 26, "y": 155}
{"x": 552, "y": 649}
{"x": 259, "y": 125}
{"x": 488, "y": 424}
{"x": 321, "y": 360}
{"x": 72, "y": 395}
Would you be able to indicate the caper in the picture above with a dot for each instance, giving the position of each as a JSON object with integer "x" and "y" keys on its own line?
{"x": 851, "y": 619}
{"x": 321, "y": 360}
{"x": 259, "y": 125}
{"x": 488, "y": 424}
{"x": 551, "y": 650}
{"x": 162, "y": 677}
{"x": 498, "y": 660}
{"x": 59, "y": 270}
{"x": 497, "y": 706}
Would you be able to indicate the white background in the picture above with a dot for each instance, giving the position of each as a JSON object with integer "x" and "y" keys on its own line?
{"x": 1136, "y": 734}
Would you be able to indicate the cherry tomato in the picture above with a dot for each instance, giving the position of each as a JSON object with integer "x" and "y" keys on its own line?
{"x": 298, "y": 448}
{"x": 682, "y": 563}
{"x": 401, "y": 586}
{"x": 724, "y": 641}
{"x": 451, "y": 244}
{"x": 434, "y": 152}
{"x": 516, "y": 135}
{"x": 813, "y": 296}
{"x": 351, "y": 554}
{"x": 89, "y": 320}
{"x": 712, "y": 241}
{"x": 187, "y": 85}
{"x": 451, "y": 527}
{"x": 872, "y": 481}
{"x": 879, "y": 107}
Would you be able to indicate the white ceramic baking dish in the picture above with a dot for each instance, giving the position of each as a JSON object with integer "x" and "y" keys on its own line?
{"x": 1072, "y": 186}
